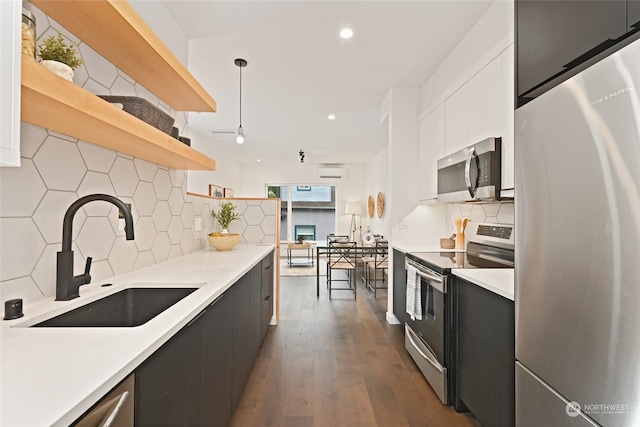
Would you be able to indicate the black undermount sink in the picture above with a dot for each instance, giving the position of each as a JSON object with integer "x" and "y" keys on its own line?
{"x": 126, "y": 308}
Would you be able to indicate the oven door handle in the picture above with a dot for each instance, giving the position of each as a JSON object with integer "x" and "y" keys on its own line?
{"x": 430, "y": 277}
{"x": 411, "y": 335}
{"x": 433, "y": 280}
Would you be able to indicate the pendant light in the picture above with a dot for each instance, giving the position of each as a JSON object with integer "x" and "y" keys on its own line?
{"x": 241, "y": 63}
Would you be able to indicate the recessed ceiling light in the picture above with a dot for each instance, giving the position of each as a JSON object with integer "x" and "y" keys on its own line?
{"x": 346, "y": 33}
{"x": 331, "y": 117}
{"x": 258, "y": 160}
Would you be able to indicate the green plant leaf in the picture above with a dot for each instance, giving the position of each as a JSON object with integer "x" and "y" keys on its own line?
{"x": 55, "y": 48}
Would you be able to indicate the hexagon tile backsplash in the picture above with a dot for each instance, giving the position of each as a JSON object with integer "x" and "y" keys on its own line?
{"x": 57, "y": 170}
{"x": 35, "y": 197}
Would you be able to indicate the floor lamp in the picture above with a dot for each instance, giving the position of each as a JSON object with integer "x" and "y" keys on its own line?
{"x": 353, "y": 209}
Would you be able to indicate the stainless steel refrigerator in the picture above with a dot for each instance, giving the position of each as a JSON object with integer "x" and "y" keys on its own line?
{"x": 577, "y": 267}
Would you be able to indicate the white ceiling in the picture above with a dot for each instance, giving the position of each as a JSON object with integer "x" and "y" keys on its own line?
{"x": 299, "y": 70}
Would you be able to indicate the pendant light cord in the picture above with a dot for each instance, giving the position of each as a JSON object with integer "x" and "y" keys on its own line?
{"x": 240, "y": 96}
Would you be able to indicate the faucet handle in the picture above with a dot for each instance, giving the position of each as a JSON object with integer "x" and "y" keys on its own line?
{"x": 87, "y": 267}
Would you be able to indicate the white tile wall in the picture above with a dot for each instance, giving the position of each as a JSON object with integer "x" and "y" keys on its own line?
{"x": 495, "y": 213}
{"x": 57, "y": 170}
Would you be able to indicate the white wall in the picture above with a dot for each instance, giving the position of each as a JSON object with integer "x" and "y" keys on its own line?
{"x": 228, "y": 171}
{"x": 351, "y": 188}
{"x": 378, "y": 181}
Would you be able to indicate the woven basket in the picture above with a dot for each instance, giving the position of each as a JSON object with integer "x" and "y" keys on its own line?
{"x": 144, "y": 110}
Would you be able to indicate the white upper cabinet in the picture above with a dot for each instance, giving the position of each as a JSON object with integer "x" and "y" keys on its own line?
{"x": 474, "y": 112}
{"x": 10, "y": 12}
{"x": 431, "y": 148}
{"x": 508, "y": 106}
{"x": 457, "y": 120}
{"x": 483, "y": 107}
{"x": 485, "y": 95}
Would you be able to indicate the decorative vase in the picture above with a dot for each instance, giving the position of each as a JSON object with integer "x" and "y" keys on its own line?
{"x": 224, "y": 231}
{"x": 63, "y": 70}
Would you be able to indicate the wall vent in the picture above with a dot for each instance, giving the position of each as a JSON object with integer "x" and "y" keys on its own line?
{"x": 336, "y": 173}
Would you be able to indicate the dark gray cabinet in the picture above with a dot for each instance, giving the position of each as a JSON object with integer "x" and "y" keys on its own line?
{"x": 197, "y": 377}
{"x": 217, "y": 359}
{"x": 399, "y": 287}
{"x": 556, "y": 39}
{"x": 170, "y": 386}
{"x": 485, "y": 354}
{"x": 246, "y": 330}
{"x": 633, "y": 15}
{"x": 266, "y": 310}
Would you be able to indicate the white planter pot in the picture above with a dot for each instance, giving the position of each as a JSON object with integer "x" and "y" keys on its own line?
{"x": 63, "y": 70}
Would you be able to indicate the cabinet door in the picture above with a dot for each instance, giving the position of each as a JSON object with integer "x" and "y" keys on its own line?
{"x": 474, "y": 112}
{"x": 484, "y": 96}
{"x": 10, "y": 12}
{"x": 399, "y": 287}
{"x": 266, "y": 303}
{"x": 485, "y": 370}
{"x": 456, "y": 128}
{"x": 246, "y": 331}
{"x": 217, "y": 362}
{"x": 633, "y": 15}
{"x": 168, "y": 385}
{"x": 508, "y": 108}
{"x": 555, "y": 36}
{"x": 431, "y": 149}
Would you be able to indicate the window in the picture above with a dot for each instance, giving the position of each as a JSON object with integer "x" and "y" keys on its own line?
{"x": 312, "y": 211}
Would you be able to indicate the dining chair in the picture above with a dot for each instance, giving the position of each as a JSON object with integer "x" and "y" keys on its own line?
{"x": 377, "y": 262}
{"x": 342, "y": 256}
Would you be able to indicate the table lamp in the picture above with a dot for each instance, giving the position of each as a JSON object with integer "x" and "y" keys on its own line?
{"x": 353, "y": 209}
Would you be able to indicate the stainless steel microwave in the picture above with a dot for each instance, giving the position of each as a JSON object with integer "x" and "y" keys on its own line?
{"x": 471, "y": 174}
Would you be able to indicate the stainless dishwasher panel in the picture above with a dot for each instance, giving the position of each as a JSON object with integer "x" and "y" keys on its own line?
{"x": 433, "y": 371}
{"x": 114, "y": 410}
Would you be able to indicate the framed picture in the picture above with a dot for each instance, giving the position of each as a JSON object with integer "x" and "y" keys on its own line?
{"x": 228, "y": 193}
{"x": 303, "y": 187}
{"x": 215, "y": 191}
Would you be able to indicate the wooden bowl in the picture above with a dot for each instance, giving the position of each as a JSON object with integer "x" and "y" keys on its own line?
{"x": 224, "y": 242}
{"x": 446, "y": 243}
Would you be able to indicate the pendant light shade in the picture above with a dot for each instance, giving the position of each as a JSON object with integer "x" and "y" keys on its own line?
{"x": 241, "y": 63}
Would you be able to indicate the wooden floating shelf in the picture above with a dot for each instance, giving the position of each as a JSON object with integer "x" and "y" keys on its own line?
{"x": 54, "y": 103}
{"x": 116, "y": 31}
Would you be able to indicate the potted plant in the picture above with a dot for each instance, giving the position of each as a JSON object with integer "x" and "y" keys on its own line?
{"x": 59, "y": 57}
{"x": 224, "y": 241}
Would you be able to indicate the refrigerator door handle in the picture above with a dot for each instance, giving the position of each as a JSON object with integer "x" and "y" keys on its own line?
{"x": 467, "y": 172}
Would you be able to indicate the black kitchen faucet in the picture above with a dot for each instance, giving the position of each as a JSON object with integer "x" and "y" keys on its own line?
{"x": 68, "y": 285}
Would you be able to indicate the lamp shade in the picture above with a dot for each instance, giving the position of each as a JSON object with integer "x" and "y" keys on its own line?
{"x": 353, "y": 208}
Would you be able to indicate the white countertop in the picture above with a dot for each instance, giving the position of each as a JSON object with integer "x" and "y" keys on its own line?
{"x": 496, "y": 280}
{"x": 414, "y": 247}
{"x": 51, "y": 376}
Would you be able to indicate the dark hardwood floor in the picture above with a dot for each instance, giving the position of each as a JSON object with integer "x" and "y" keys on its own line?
{"x": 337, "y": 363}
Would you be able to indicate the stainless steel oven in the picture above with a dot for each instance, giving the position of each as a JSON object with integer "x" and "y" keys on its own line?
{"x": 425, "y": 335}
{"x": 430, "y": 333}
